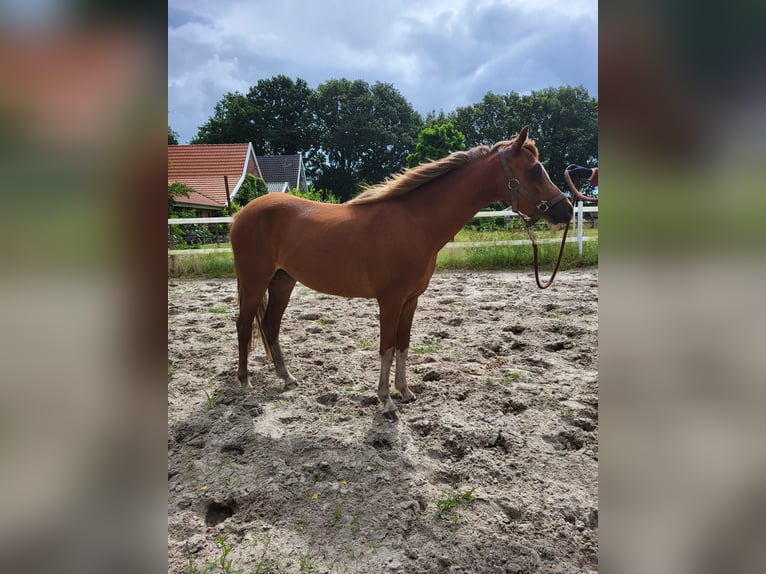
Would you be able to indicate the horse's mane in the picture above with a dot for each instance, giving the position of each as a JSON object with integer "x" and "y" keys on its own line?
{"x": 413, "y": 178}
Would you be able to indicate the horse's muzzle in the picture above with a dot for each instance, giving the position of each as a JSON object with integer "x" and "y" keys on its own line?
{"x": 561, "y": 212}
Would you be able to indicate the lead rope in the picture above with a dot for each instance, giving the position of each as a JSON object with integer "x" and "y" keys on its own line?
{"x": 515, "y": 186}
{"x": 558, "y": 261}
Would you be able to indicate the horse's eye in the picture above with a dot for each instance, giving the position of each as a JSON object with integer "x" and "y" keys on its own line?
{"x": 536, "y": 172}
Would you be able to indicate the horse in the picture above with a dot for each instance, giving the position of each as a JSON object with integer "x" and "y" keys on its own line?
{"x": 382, "y": 245}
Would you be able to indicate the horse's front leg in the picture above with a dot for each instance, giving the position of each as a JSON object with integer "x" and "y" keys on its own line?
{"x": 389, "y": 321}
{"x": 384, "y": 395}
{"x": 402, "y": 350}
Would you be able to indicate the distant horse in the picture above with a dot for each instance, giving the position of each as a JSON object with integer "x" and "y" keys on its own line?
{"x": 380, "y": 245}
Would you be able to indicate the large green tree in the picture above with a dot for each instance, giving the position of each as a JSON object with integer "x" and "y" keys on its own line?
{"x": 172, "y": 136}
{"x": 565, "y": 123}
{"x": 281, "y": 114}
{"x": 363, "y": 134}
{"x": 274, "y": 116}
{"x": 233, "y": 121}
{"x": 435, "y": 142}
{"x": 495, "y": 118}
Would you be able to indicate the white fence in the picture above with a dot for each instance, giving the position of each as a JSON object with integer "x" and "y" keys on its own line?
{"x": 578, "y": 220}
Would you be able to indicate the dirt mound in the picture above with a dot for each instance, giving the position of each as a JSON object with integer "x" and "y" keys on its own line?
{"x": 494, "y": 468}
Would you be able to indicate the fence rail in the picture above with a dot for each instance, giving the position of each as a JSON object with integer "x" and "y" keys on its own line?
{"x": 578, "y": 218}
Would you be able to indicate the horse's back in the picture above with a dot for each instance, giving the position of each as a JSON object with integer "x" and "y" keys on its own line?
{"x": 264, "y": 207}
{"x": 262, "y": 216}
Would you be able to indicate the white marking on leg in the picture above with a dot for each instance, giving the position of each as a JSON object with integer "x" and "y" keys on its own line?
{"x": 386, "y": 358}
{"x": 290, "y": 381}
{"x": 400, "y": 381}
{"x": 281, "y": 368}
{"x": 244, "y": 381}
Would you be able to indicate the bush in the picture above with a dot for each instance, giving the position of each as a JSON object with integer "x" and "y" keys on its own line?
{"x": 251, "y": 188}
{"x": 312, "y": 194}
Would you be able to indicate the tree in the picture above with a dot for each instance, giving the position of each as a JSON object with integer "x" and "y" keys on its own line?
{"x": 364, "y": 133}
{"x": 176, "y": 189}
{"x": 565, "y": 122}
{"x": 436, "y": 142}
{"x": 251, "y": 188}
{"x": 274, "y": 116}
{"x": 495, "y": 118}
{"x": 233, "y": 121}
{"x": 172, "y": 137}
{"x": 280, "y": 108}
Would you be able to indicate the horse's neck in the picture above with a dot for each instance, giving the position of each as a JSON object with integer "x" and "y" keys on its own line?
{"x": 445, "y": 205}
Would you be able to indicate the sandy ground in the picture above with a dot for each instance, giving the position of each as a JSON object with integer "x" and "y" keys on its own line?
{"x": 493, "y": 469}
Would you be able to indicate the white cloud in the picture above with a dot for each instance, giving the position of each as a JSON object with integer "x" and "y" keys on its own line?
{"x": 438, "y": 54}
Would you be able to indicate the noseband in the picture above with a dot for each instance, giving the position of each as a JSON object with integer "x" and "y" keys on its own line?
{"x": 541, "y": 206}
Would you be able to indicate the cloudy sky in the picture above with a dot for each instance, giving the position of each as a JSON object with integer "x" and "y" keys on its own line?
{"x": 439, "y": 54}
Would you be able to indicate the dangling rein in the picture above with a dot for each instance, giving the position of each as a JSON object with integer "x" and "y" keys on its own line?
{"x": 541, "y": 206}
{"x": 534, "y": 253}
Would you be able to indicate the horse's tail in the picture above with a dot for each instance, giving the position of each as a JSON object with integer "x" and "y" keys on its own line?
{"x": 259, "y": 314}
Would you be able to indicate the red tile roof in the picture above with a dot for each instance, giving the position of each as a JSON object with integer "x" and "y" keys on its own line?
{"x": 202, "y": 167}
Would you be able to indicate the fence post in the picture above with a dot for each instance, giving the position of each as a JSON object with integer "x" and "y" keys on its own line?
{"x": 579, "y": 227}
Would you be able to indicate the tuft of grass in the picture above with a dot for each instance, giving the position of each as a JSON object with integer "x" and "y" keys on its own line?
{"x": 337, "y": 515}
{"x": 306, "y": 561}
{"x": 448, "y": 503}
{"x": 223, "y": 564}
{"x": 365, "y": 344}
{"x": 212, "y": 399}
{"x": 218, "y": 310}
{"x": 355, "y": 525}
{"x": 427, "y": 348}
{"x": 512, "y": 377}
{"x": 317, "y": 477}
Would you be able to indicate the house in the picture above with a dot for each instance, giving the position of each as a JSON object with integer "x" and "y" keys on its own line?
{"x": 283, "y": 172}
{"x": 207, "y": 169}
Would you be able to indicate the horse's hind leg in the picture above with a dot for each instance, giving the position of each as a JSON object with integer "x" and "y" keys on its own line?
{"x": 280, "y": 288}
{"x": 402, "y": 349}
{"x": 248, "y": 308}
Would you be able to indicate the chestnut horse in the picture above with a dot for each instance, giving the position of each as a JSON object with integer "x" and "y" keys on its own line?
{"x": 380, "y": 245}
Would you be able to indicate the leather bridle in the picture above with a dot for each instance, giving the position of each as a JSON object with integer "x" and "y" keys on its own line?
{"x": 541, "y": 206}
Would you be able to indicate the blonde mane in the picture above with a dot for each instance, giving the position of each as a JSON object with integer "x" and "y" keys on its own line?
{"x": 411, "y": 179}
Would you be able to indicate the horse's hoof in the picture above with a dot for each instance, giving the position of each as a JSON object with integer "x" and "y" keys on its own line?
{"x": 290, "y": 385}
{"x": 390, "y": 416}
{"x": 245, "y": 385}
{"x": 408, "y": 399}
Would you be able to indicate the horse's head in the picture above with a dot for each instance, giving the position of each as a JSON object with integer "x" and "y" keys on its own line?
{"x": 530, "y": 190}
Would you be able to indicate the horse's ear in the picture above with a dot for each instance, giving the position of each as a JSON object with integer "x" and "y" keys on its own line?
{"x": 518, "y": 143}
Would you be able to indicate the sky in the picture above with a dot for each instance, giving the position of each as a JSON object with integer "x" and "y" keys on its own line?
{"x": 439, "y": 54}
